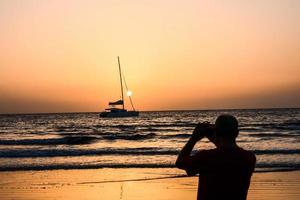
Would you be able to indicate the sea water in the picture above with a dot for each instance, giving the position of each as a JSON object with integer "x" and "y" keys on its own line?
{"x": 152, "y": 140}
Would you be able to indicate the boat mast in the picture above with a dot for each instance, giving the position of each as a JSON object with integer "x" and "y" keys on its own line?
{"x": 121, "y": 82}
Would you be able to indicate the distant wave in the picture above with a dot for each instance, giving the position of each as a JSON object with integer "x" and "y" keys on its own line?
{"x": 153, "y": 127}
{"x": 71, "y": 140}
{"x": 292, "y": 125}
{"x": 175, "y": 136}
{"x": 114, "y": 151}
{"x": 173, "y": 124}
{"x": 291, "y": 135}
{"x": 75, "y": 139}
{"x": 158, "y": 126}
{"x": 129, "y": 136}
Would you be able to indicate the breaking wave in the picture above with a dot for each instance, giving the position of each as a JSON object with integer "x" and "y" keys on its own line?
{"x": 115, "y": 151}
{"x": 260, "y": 167}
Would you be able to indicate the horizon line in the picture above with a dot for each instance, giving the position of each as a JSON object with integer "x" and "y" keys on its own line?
{"x": 167, "y": 110}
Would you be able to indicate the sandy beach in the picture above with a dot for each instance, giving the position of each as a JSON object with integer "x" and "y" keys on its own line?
{"x": 135, "y": 183}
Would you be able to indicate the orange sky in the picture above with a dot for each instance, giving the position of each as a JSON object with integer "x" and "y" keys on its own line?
{"x": 61, "y": 55}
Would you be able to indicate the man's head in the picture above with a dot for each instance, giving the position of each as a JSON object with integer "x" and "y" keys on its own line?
{"x": 226, "y": 127}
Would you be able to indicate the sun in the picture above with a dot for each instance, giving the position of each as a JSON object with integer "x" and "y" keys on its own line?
{"x": 129, "y": 93}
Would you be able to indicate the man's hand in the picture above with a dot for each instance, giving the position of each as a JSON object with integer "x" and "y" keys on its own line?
{"x": 199, "y": 131}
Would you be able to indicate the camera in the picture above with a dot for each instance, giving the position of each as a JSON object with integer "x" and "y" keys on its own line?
{"x": 206, "y": 128}
{"x": 209, "y": 130}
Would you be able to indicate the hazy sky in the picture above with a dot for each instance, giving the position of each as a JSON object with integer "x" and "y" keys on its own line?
{"x": 61, "y": 55}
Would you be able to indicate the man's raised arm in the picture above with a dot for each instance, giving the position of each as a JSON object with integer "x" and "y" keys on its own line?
{"x": 184, "y": 159}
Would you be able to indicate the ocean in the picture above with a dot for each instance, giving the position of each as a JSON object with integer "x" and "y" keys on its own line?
{"x": 152, "y": 140}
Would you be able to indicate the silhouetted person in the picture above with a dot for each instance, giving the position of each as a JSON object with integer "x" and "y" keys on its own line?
{"x": 224, "y": 172}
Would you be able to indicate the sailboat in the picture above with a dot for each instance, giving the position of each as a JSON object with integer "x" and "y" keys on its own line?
{"x": 114, "y": 111}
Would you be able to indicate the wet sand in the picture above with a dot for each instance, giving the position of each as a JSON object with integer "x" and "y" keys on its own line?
{"x": 131, "y": 184}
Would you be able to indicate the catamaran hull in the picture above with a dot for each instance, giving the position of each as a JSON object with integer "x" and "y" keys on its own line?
{"x": 119, "y": 114}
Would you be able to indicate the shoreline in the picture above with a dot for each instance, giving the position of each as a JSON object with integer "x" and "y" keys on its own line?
{"x": 116, "y": 167}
